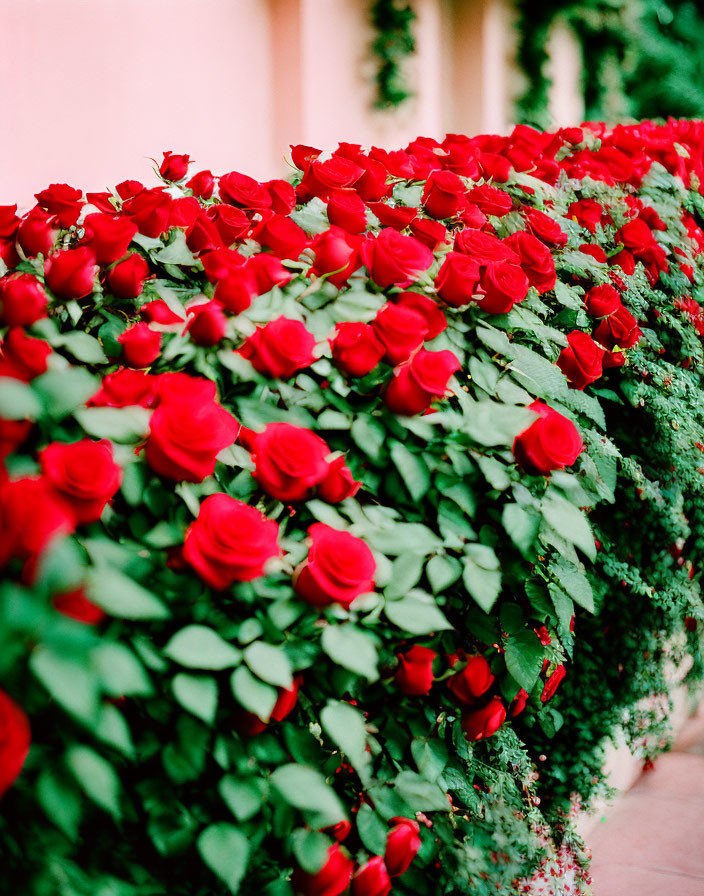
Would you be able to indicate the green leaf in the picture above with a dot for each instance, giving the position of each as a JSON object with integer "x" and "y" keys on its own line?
{"x": 352, "y": 649}
{"x": 569, "y": 522}
{"x": 82, "y": 346}
{"x": 537, "y": 374}
{"x": 482, "y": 575}
{"x": 442, "y": 571}
{"x": 97, "y": 778}
{"x": 524, "y": 656}
{"x": 68, "y": 681}
{"x": 412, "y": 470}
{"x": 310, "y": 849}
{"x": 568, "y": 296}
{"x": 62, "y": 391}
{"x": 404, "y": 538}
{"x": 112, "y": 728}
{"x": 124, "y": 425}
{"x": 405, "y": 572}
{"x": 121, "y": 596}
{"x": 305, "y": 789}
{"x": 430, "y": 756}
{"x": 416, "y": 613}
{"x": 270, "y": 663}
{"x": 574, "y": 583}
{"x": 369, "y": 434}
{"x": 197, "y": 694}
{"x": 495, "y": 472}
{"x": 120, "y": 672}
{"x": 345, "y": 726}
{"x": 225, "y": 850}
{"x": 18, "y": 401}
{"x": 491, "y": 423}
{"x": 254, "y": 695}
{"x": 177, "y": 252}
{"x": 372, "y": 829}
{"x": 243, "y": 796}
{"x": 422, "y": 795}
{"x": 61, "y": 802}
{"x": 199, "y": 647}
{"x": 521, "y": 526}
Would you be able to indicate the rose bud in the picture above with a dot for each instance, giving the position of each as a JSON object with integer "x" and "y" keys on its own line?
{"x": 418, "y": 382}
{"x": 76, "y": 605}
{"x": 268, "y": 272}
{"x": 618, "y": 329}
{"x": 84, "y": 475}
{"x": 127, "y": 189}
{"x": 283, "y": 196}
{"x": 126, "y": 279}
{"x": 339, "y": 484}
{"x": 545, "y": 228}
{"x": 504, "y": 285}
{"x": 372, "y": 185}
{"x": 230, "y": 542}
{"x": 250, "y": 724}
{"x": 347, "y": 211}
{"x": 243, "y": 191}
{"x": 236, "y": 290}
{"x": 518, "y": 704}
{"x": 552, "y": 682}
{"x": 15, "y": 739}
{"x": 596, "y": 252}
{"x": 323, "y": 178}
{"x": 490, "y": 200}
{"x": 430, "y": 233}
{"x": 12, "y": 434}
{"x": 339, "y": 568}
{"x": 429, "y": 310}
{"x": 393, "y": 259}
{"x": 174, "y": 167}
{"x": 62, "y": 201}
{"x": 356, "y": 349}
{"x": 582, "y": 360}
{"x": 626, "y": 261}
{"x": 202, "y": 184}
{"x": 371, "y": 879}
{"x": 481, "y": 723}
{"x": 552, "y": 442}
{"x": 70, "y": 274}
{"x": 23, "y": 356}
{"x": 484, "y": 247}
{"x": 332, "y": 879}
{"x": 602, "y": 300}
{"x": 203, "y": 234}
{"x": 109, "y": 236}
{"x": 444, "y": 194}
{"x": 402, "y": 845}
{"x": 339, "y": 831}
{"x": 586, "y": 212}
{"x": 183, "y": 211}
{"x": 289, "y": 461}
{"x": 400, "y": 330}
{"x": 232, "y": 223}
{"x": 22, "y": 300}
{"x": 150, "y": 210}
{"x": 471, "y": 682}
{"x": 140, "y": 345}
{"x": 37, "y": 233}
{"x": 126, "y": 387}
{"x": 536, "y": 260}
{"x": 158, "y": 312}
{"x": 280, "y": 348}
{"x": 414, "y": 675}
{"x": 206, "y": 323}
{"x": 282, "y": 236}
{"x": 336, "y": 255}
{"x": 458, "y": 279}
{"x": 396, "y": 216}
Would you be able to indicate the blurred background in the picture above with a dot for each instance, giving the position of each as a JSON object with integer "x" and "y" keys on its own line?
{"x": 93, "y": 88}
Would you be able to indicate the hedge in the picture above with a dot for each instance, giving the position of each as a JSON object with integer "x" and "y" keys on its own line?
{"x": 342, "y": 521}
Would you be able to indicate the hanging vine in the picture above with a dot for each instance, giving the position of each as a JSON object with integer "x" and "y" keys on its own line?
{"x": 393, "y": 44}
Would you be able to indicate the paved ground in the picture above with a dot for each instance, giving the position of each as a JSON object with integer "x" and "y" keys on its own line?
{"x": 652, "y": 841}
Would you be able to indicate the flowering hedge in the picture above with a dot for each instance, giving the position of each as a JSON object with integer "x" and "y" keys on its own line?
{"x": 311, "y": 495}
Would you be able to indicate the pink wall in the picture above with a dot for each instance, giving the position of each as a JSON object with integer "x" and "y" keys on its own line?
{"x": 92, "y": 88}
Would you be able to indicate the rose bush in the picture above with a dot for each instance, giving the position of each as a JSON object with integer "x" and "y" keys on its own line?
{"x": 341, "y": 521}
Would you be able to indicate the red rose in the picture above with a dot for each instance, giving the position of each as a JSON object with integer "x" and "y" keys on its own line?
{"x": 281, "y": 235}
{"x": 202, "y": 184}
{"x": 140, "y": 345}
{"x": 22, "y": 300}
{"x": 393, "y": 259}
{"x": 414, "y": 675}
{"x": 348, "y": 211}
{"x": 458, "y": 279}
{"x": 188, "y": 429}
{"x": 12, "y": 434}
{"x": 518, "y": 704}
{"x": 23, "y": 356}
{"x": 371, "y": 879}
{"x": 472, "y": 216}
{"x": 356, "y": 349}
{"x": 402, "y": 845}
{"x": 430, "y": 233}
{"x": 418, "y": 382}
{"x": 289, "y": 461}
{"x": 280, "y": 348}
{"x": 339, "y": 568}
{"x": 371, "y": 186}
{"x": 536, "y": 260}
{"x": 283, "y": 196}
{"x": 596, "y": 252}
{"x": 62, "y": 201}
{"x": 150, "y": 210}
{"x": 484, "y": 247}
{"x": 203, "y": 234}
{"x": 545, "y": 228}
{"x": 336, "y": 255}
{"x": 230, "y": 542}
{"x": 15, "y": 740}
{"x": 504, "y": 285}
{"x": 582, "y": 360}
{"x": 174, "y": 167}
{"x": 618, "y": 329}
{"x": 37, "y": 233}
{"x": 158, "y": 312}
{"x": 206, "y": 323}
{"x": 124, "y": 388}
{"x": 127, "y": 189}
{"x": 552, "y": 682}
{"x": 550, "y": 443}
{"x": 221, "y": 262}
{"x": 244, "y": 191}
{"x": 84, "y": 475}
{"x": 332, "y": 879}
{"x": 33, "y": 515}
{"x": 268, "y": 272}
{"x": 444, "y": 194}
{"x": 250, "y": 724}
{"x": 626, "y": 261}
{"x": 429, "y": 310}
{"x": 8, "y": 221}
{"x": 126, "y": 279}
{"x": 400, "y": 330}
{"x": 602, "y": 300}
{"x": 481, "y": 723}
{"x": 397, "y": 216}
{"x": 636, "y": 236}
{"x": 76, "y": 605}
{"x": 586, "y": 212}
{"x": 339, "y": 483}
{"x": 490, "y": 200}
{"x": 471, "y": 682}
{"x": 231, "y": 223}
{"x": 71, "y": 274}
{"x": 183, "y": 211}
{"x": 323, "y": 178}
{"x": 109, "y": 236}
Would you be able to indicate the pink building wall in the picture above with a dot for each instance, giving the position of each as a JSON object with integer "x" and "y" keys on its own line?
{"x": 93, "y": 88}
